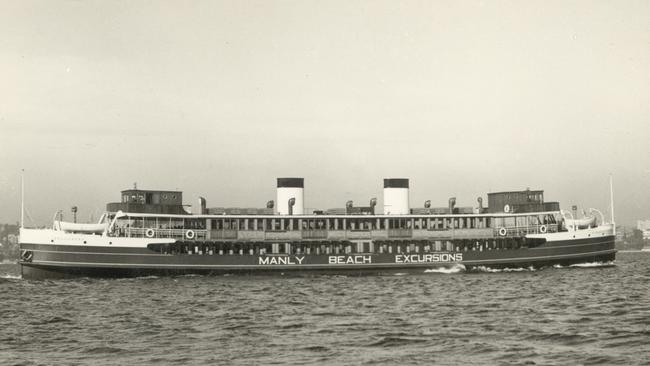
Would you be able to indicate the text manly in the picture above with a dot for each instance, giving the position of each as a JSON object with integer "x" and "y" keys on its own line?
{"x": 281, "y": 260}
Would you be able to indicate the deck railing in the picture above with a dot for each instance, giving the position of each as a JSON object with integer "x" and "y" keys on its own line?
{"x": 400, "y": 233}
{"x": 223, "y": 234}
{"x": 186, "y": 234}
{"x": 314, "y": 234}
{"x": 520, "y": 231}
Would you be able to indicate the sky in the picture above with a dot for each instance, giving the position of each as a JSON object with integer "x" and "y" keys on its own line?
{"x": 219, "y": 98}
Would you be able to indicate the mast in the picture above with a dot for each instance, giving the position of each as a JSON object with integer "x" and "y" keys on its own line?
{"x": 611, "y": 200}
{"x": 22, "y": 198}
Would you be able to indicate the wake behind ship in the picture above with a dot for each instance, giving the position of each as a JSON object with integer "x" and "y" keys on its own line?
{"x": 150, "y": 232}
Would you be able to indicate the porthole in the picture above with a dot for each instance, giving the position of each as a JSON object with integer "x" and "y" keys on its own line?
{"x": 84, "y": 242}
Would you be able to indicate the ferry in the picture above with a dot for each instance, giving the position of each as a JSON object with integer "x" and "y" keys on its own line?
{"x": 151, "y": 232}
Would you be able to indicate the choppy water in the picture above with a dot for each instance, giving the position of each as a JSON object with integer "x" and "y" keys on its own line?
{"x": 554, "y": 316}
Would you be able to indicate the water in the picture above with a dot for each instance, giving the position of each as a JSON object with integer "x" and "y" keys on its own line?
{"x": 556, "y": 316}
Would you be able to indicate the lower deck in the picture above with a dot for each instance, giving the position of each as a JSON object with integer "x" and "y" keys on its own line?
{"x": 38, "y": 271}
{"x": 314, "y": 257}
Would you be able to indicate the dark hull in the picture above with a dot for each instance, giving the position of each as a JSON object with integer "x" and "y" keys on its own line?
{"x": 60, "y": 261}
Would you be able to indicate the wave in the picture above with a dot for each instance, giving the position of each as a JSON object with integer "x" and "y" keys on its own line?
{"x": 11, "y": 277}
{"x": 594, "y": 264}
{"x": 456, "y": 268}
{"x": 189, "y": 275}
{"x": 315, "y": 348}
{"x": 126, "y": 279}
{"x": 146, "y": 277}
{"x": 292, "y": 326}
{"x": 507, "y": 269}
{"x": 395, "y": 342}
{"x": 586, "y": 265}
{"x": 104, "y": 349}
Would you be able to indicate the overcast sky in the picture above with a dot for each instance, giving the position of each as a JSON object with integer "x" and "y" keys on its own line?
{"x": 218, "y": 98}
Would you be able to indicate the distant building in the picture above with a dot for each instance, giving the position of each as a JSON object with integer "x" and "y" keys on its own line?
{"x": 9, "y": 241}
{"x": 8, "y": 233}
{"x": 644, "y": 226}
{"x": 623, "y": 233}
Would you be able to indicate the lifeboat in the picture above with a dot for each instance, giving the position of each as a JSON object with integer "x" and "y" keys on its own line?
{"x": 579, "y": 224}
{"x": 79, "y": 228}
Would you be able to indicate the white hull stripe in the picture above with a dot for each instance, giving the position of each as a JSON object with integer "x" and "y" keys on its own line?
{"x": 542, "y": 258}
{"x": 100, "y": 253}
{"x": 570, "y": 245}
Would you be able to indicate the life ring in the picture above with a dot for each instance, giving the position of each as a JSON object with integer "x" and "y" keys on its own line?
{"x": 26, "y": 255}
{"x": 189, "y": 234}
{"x": 150, "y": 233}
{"x": 503, "y": 231}
{"x": 542, "y": 229}
{"x": 506, "y": 208}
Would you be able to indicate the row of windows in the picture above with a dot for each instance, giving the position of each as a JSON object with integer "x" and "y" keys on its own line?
{"x": 361, "y": 224}
{"x": 339, "y": 248}
{"x": 286, "y": 224}
{"x": 148, "y": 198}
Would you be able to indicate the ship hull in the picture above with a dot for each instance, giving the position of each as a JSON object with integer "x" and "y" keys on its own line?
{"x": 63, "y": 261}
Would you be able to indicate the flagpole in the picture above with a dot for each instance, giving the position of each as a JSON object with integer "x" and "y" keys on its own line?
{"x": 22, "y": 198}
{"x": 611, "y": 200}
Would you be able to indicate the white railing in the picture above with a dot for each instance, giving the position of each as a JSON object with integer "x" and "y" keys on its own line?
{"x": 524, "y": 230}
{"x": 186, "y": 234}
{"x": 201, "y": 234}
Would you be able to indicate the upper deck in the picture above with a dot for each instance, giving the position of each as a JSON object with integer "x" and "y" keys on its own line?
{"x": 335, "y": 227}
{"x": 161, "y": 214}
